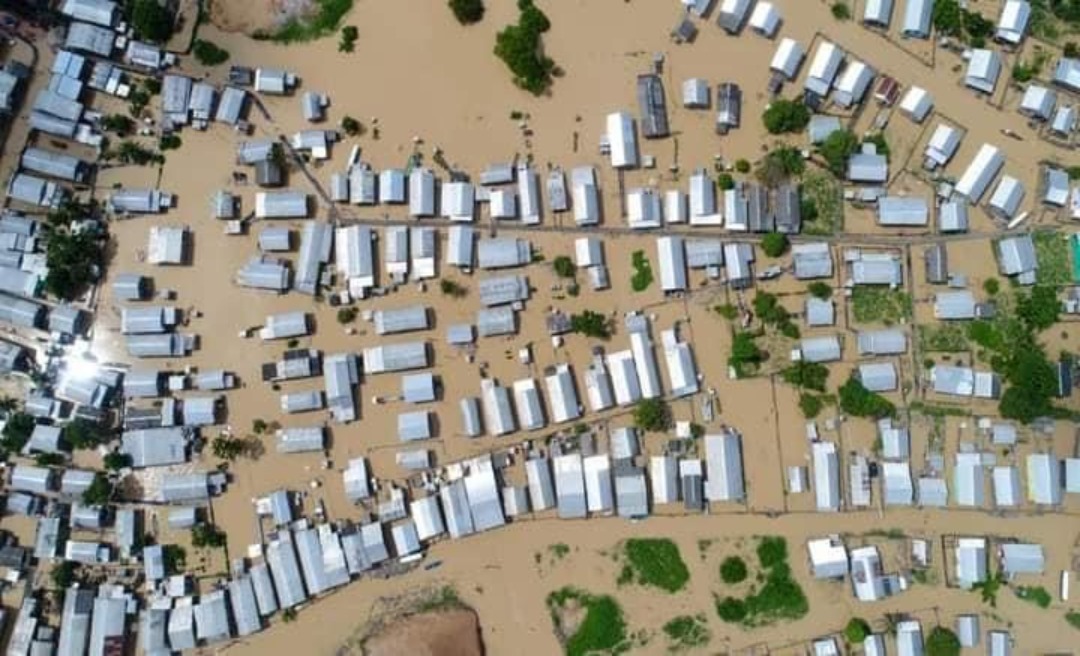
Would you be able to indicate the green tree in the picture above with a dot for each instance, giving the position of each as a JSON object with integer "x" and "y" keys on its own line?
{"x": 351, "y": 126}
{"x": 591, "y": 324}
{"x": 349, "y": 35}
{"x": 227, "y": 448}
{"x": 151, "y": 21}
{"x": 819, "y": 289}
{"x": 811, "y": 405}
{"x": 731, "y": 609}
{"x": 946, "y": 18}
{"x": 841, "y": 10}
{"x": 452, "y": 288}
{"x": 652, "y": 415}
{"x": 115, "y": 461}
{"x": 774, "y": 244}
{"x": 519, "y": 47}
{"x": 99, "y": 492}
{"x": 63, "y": 574}
{"x": 208, "y": 53}
{"x": 733, "y": 570}
{"x": 780, "y": 164}
{"x": 783, "y": 116}
{"x": 467, "y": 12}
{"x": 174, "y": 557}
{"x": 724, "y": 181}
{"x": 745, "y": 354}
{"x": 837, "y": 149}
{"x": 809, "y": 375}
{"x": 1033, "y": 384}
{"x": 83, "y": 434}
{"x": 169, "y": 142}
{"x": 137, "y": 102}
{"x": 767, "y": 307}
{"x": 347, "y": 315}
{"x": 1039, "y": 309}
{"x": 564, "y": 267}
{"x": 942, "y": 642}
{"x": 73, "y": 261}
{"x": 16, "y": 432}
{"x": 991, "y": 286}
{"x": 207, "y": 536}
{"x": 742, "y": 165}
{"x": 48, "y": 459}
{"x": 858, "y": 401}
{"x": 856, "y": 631}
{"x": 118, "y": 123}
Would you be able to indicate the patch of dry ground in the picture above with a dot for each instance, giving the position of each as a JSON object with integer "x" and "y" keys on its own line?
{"x": 252, "y": 16}
{"x": 439, "y": 633}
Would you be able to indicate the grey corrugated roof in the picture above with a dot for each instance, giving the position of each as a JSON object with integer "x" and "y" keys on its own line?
{"x": 285, "y": 570}
{"x": 341, "y": 371}
{"x": 212, "y": 618}
{"x": 185, "y": 487}
{"x": 418, "y": 388}
{"x": 821, "y": 349}
{"x": 1022, "y": 559}
{"x": 498, "y": 253}
{"x": 265, "y": 597}
{"x": 412, "y": 426}
{"x": 245, "y": 612}
{"x": 724, "y": 468}
{"x": 75, "y": 622}
{"x": 108, "y": 625}
{"x": 470, "y": 415}
{"x": 1016, "y": 255}
{"x": 491, "y": 322}
{"x": 455, "y": 505}
{"x": 300, "y": 440}
{"x": 889, "y": 341}
{"x": 154, "y": 446}
{"x": 569, "y": 486}
{"x": 820, "y": 312}
{"x": 503, "y": 290}
{"x": 400, "y": 320}
{"x": 395, "y": 357}
{"x": 903, "y": 211}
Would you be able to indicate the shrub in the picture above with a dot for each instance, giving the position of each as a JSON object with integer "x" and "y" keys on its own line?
{"x": 652, "y": 415}
{"x": 227, "y": 448}
{"x": 745, "y": 354}
{"x": 841, "y": 11}
{"x": 207, "y": 536}
{"x": 519, "y": 47}
{"x": 656, "y": 562}
{"x": 601, "y": 630}
{"x": 1039, "y": 309}
{"x": 564, "y": 267}
{"x": 942, "y": 642}
{"x": 452, "y": 288}
{"x": 347, "y": 315}
{"x": 209, "y": 53}
{"x": 858, "y": 401}
{"x": 349, "y": 35}
{"x": 151, "y": 21}
{"x": 115, "y": 461}
{"x": 351, "y": 126}
{"x": 643, "y": 274}
{"x": 856, "y": 631}
{"x": 731, "y": 610}
{"x": 991, "y": 286}
{"x": 820, "y": 290}
{"x": 836, "y": 149}
{"x": 467, "y": 12}
{"x": 169, "y": 142}
{"x": 99, "y": 492}
{"x": 591, "y": 324}
{"x": 1071, "y": 50}
{"x": 175, "y": 558}
{"x": 727, "y": 311}
{"x": 774, "y": 244}
{"x": 810, "y": 404}
{"x": 810, "y": 375}
{"x": 63, "y": 574}
{"x": 724, "y": 181}
{"x": 772, "y": 551}
{"x": 17, "y": 432}
{"x": 118, "y": 123}
{"x": 742, "y": 165}
{"x": 687, "y": 631}
{"x": 783, "y": 116}
{"x": 48, "y": 459}
{"x": 733, "y": 570}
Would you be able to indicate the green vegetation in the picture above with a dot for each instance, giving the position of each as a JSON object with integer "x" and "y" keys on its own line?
{"x": 652, "y": 415}
{"x": 811, "y": 405}
{"x": 943, "y": 337}
{"x": 1071, "y": 50}
{"x": 643, "y": 273}
{"x": 16, "y": 432}
{"x": 63, "y": 574}
{"x": 452, "y": 288}
{"x": 564, "y": 267}
{"x": 1026, "y": 71}
{"x": 820, "y": 290}
{"x": 591, "y": 324}
{"x": 733, "y": 570}
{"x": 349, "y": 35}
{"x": 724, "y": 181}
{"x": 467, "y": 12}
{"x": 808, "y": 375}
{"x": 745, "y": 355}
{"x": 169, "y": 142}
{"x": 841, "y": 11}
{"x": 288, "y": 615}
{"x": 858, "y": 401}
{"x": 1073, "y": 618}
{"x": 130, "y": 152}
{"x": 779, "y": 165}
{"x": 856, "y": 631}
{"x": 603, "y": 628}
{"x": 559, "y": 550}
{"x": 118, "y": 123}
{"x": 209, "y": 53}
{"x": 151, "y": 21}
{"x": 99, "y": 492}
{"x": 742, "y": 165}
{"x": 767, "y": 308}
{"x": 656, "y": 562}
{"x": 444, "y": 598}
{"x": 1035, "y": 594}
{"x": 991, "y": 286}
{"x": 74, "y": 261}
{"x": 822, "y": 204}
{"x": 774, "y": 244}
{"x": 950, "y": 19}
{"x": 837, "y": 148}
{"x": 687, "y": 632}
{"x": 942, "y": 642}
{"x": 347, "y": 315}
{"x": 520, "y": 48}
{"x": 228, "y": 448}
{"x": 48, "y": 459}
{"x": 880, "y": 305}
{"x": 1052, "y": 253}
{"x": 727, "y": 311}
{"x": 1038, "y": 309}
{"x": 783, "y": 116}
{"x": 174, "y": 557}
{"x": 321, "y": 22}
{"x": 207, "y": 536}
{"x": 779, "y": 598}
{"x": 83, "y": 434}
{"x": 351, "y": 126}
{"x": 881, "y": 144}
{"x": 115, "y": 461}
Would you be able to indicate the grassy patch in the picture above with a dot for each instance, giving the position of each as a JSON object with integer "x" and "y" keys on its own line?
{"x": 687, "y": 632}
{"x": 822, "y": 204}
{"x": 601, "y": 630}
{"x": 1035, "y": 594}
{"x": 654, "y": 562}
{"x": 880, "y": 305}
{"x": 779, "y": 598}
{"x": 559, "y": 550}
{"x": 322, "y": 22}
{"x": 1052, "y": 253}
{"x": 943, "y": 338}
{"x": 1073, "y": 618}
{"x": 643, "y": 273}
{"x": 445, "y": 598}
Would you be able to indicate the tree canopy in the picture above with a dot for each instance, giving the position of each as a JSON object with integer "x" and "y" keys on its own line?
{"x": 774, "y": 244}
{"x": 652, "y": 415}
{"x": 837, "y": 149}
{"x": 84, "y": 434}
{"x": 151, "y": 21}
{"x": 73, "y": 261}
{"x": 16, "y": 432}
{"x": 858, "y": 401}
{"x": 783, "y": 116}
{"x": 467, "y": 12}
{"x": 591, "y": 324}
{"x": 520, "y": 48}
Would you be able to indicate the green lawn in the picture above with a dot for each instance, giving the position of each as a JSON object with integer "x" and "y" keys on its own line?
{"x": 643, "y": 273}
{"x": 880, "y": 305}
{"x": 322, "y": 22}
{"x": 603, "y": 629}
{"x": 654, "y": 562}
{"x": 943, "y": 338}
{"x": 823, "y": 204}
{"x": 1052, "y": 253}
